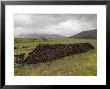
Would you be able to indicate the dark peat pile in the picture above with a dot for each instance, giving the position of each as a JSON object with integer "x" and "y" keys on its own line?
{"x": 49, "y": 52}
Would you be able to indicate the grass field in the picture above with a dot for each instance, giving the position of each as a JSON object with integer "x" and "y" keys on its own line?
{"x": 83, "y": 64}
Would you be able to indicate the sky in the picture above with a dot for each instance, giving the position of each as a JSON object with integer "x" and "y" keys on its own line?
{"x": 61, "y": 24}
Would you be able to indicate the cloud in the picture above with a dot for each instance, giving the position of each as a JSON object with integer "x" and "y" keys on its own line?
{"x": 66, "y": 25}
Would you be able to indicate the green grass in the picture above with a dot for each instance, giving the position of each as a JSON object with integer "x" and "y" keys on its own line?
{"x": 83, "y": 64}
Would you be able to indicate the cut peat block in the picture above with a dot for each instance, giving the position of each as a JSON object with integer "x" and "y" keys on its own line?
{"x": 49, "y": 52}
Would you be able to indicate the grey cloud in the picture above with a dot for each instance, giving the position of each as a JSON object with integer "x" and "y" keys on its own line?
{"x": 63, "y": 24}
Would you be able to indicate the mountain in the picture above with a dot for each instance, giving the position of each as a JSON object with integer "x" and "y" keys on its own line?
{"x": 39, "y": 36}
{"x": 91, "y": 34}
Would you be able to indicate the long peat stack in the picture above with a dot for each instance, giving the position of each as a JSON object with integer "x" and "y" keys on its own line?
{"x": 49, "y": 52}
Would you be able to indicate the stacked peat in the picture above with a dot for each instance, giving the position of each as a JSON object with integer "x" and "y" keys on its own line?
{"x": 19, "y": 58}
{"x": 49, "y": 52}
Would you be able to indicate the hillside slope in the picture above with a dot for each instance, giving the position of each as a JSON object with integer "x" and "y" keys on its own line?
{"x": 92, "y": 34}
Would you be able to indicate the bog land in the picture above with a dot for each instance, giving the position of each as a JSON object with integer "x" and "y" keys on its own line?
{"x": 83, "y": 64}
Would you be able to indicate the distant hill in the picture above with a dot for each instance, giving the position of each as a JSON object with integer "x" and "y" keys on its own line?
{"x": 39, "y": 36}
{"x": 91, "y": 34}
